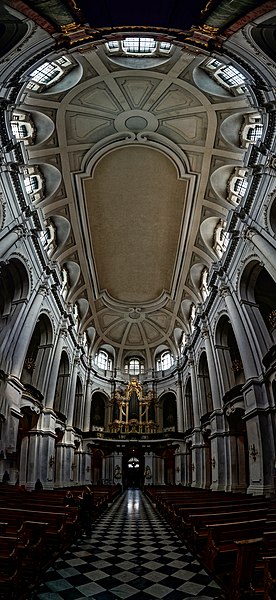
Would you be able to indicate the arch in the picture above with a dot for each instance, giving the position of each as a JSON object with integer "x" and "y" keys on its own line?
{"x": 44, "y": 126}
{"x": 62, "y": 231}
{"x": 83, "y": 305}
{"x": 12, "y": 30}
{"x": 219, "y": 181}
{"x": 272, "y": 215}
{"x": 230, "y": 129}
{"x": 14, "y": 291}
{"x": 199, "y": 280}
{"x": 167, "y": 403}
{"x": 186, "y": 307}
{"x": 208, "y": 230}
{"x": 38, "y": 354}
{"x": 97, "y": 415}
{"x": 258, "y": 291}
{"x": 230, "y": 362}
{"x": 52, "y": 177}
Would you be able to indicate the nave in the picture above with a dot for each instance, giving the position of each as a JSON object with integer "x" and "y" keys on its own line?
{"x": 133, "y": 553}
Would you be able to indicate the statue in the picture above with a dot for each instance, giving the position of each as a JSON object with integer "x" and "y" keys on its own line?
{"x": 117, "y": 473}
{"x": 51, "y": 237}
{"x": 76, "y": 316}
{"x": 147, "y": 473}
{"x": 203, "y": 283}
{"x": 65, "y": 282}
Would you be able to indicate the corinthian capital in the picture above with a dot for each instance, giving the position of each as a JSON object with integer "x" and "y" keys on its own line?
{"x": 224, "y": 291}
{"x": 249, "y": 233}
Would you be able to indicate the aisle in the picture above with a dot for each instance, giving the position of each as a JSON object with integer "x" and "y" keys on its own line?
{"x": 134, "y": 554}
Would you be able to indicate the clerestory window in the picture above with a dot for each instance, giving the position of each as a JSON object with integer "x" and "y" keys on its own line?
{"x": 134, "y": 366}
{"x": 103, "y": 360}
{"x": 164, "y": 361}
{"x": 23, "y": 127}
{"x": 138, "y": 46}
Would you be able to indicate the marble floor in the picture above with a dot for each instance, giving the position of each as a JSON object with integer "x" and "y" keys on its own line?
{"x": 132, "y": 554}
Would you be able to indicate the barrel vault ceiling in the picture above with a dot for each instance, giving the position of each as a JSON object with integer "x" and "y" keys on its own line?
{"x": 138, "y": 145}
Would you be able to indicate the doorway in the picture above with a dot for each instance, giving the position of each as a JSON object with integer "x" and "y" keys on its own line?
{"x": 133, "y": 469}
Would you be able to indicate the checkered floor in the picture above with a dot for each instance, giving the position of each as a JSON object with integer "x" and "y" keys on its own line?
{"x": 133, "y": 554}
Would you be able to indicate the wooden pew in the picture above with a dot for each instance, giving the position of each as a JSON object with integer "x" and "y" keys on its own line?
{"x": 219, "y": 554}
{"x": 9, "y": 569}
{"x": 200, "y": 523}
{"x": 55, "y": 535}
{"x": 239, "y": 582}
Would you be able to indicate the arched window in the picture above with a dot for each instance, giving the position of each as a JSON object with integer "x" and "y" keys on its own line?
{"x": 23, "y": 127}
{"x": 237, "y": 185}
{"x": 252, "y": 129}
{"x": 134, "y": 366}
{"x": 103, "y": 360}
{"x": 49, "y": 73}
{"x": 164, "y": 361}
{"x": 33, "y": 182}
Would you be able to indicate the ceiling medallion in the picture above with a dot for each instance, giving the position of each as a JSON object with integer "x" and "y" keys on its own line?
{"x": 135, "y": 314}
{"x": 136, "y": 121}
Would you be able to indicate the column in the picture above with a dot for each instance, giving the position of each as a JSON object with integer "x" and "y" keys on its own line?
{"x": 179, "y": 406}
{"x": 194, "y": 391}
{"x": 24, "y": 336}
{"x": 10, "y": 239}
{"x": 54, "y": 369}
{"x": 87, "y": 408}
{"x": 71, "y": 398}
{"x": 212, "y": 369}
{"x": 196, "y": 447}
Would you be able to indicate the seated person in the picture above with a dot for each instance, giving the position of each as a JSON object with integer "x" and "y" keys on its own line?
{"x": 69, "y": 499}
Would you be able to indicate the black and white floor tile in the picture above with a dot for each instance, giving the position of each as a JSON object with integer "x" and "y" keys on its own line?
{"x": 132, "y": 554}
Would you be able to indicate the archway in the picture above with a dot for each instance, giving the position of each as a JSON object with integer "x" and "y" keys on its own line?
{"x": 133, "y": 468}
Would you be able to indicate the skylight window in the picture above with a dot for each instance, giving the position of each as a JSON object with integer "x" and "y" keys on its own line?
{"x": 138, "y": 46}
